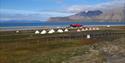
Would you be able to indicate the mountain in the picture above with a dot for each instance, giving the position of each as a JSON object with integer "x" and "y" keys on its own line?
{"x": 89, "y": 13}
{"x": 105, "y": 15}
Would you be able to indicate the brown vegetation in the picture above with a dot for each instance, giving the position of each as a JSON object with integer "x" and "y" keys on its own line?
{"x": 31, "y": 48}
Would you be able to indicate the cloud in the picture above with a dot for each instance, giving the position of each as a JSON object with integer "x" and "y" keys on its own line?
{"x": 78, "y": 8}
{"x": 59, "y": 1}
{"x": 12, "y": 14}
{"x": 102, "y": 6}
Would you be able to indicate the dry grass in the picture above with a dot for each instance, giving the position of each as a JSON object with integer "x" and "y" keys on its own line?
{"x": 30, "y": 48}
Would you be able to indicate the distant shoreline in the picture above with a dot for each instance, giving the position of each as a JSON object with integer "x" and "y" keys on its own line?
{"x": 14, "y": 28}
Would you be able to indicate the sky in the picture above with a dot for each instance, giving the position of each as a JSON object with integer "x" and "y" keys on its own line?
{"x": 43, "y": 9}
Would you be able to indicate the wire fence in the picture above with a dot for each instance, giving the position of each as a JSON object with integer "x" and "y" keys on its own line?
{"x": 68, "y": 36}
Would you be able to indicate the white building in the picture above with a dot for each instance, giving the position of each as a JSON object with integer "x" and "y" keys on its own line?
{"x": 88, "y": 36}
{"x": 37, "y": 32}
{"x": 60, "y": 31}
{"x": 43, "y": 32}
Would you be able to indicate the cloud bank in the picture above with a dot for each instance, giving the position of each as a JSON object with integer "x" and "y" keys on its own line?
{"x": 13, "y": 14}
{"x": 101, "y": 6}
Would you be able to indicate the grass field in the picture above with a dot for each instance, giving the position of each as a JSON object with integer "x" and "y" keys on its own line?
{"x": 27, "y": 47}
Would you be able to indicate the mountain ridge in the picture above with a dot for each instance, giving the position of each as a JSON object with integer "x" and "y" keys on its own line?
{"x": 107, "y": 15}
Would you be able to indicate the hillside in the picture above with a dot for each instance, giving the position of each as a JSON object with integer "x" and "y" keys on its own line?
{"x": 107, "y": 15}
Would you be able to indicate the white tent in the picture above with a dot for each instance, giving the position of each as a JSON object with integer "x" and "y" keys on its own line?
{"x": 43, "y": 32}
{"x": 97, "y": 28}
{"x": 78, "y": 30}
{"x": 17, "y": 31}
{"x": 88, "y": 36}
{"x": 86, "y": 29}
{"x": 60, "y": 30}
{"x": 51, "y": 31}
{"x": 83, "y": 29}
{"x": 66, "y": 30}
{"x": 90, "y": 28}
{"x": 93, "y": 29}
{"x": 108, "y": 26}
{"x": 37, "y": 32}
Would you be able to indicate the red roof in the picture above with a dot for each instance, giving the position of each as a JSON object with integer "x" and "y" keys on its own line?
{"x": 76, "y": 25}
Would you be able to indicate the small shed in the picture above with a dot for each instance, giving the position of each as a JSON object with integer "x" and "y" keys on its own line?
{"x": 88, "y": 36}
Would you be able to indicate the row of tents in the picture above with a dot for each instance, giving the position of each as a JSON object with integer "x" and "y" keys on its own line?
{"x": 51, "y": 31}
{"x": 87, "y": 29}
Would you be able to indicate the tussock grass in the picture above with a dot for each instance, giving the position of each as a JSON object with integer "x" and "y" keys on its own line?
{"x": 31, "y": 48}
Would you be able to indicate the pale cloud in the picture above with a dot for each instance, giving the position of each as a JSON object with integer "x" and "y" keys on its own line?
{"x": 101, "y": 6}
{"x": 59, "y": 1}
{"x": 12, "y": 14}
{"x": 78, "y": 8}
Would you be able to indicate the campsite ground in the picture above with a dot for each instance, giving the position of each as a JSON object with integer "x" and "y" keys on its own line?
{"x": 26, "y": 47}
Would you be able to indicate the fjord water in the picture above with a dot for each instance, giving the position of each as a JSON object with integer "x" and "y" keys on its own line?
{"x": 36, "y": 24}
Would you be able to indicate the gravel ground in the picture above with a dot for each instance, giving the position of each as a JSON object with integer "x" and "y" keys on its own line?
{"x": 103, "y": 52}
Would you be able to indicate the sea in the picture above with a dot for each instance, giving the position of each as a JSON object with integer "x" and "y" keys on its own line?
{"x": 23, "y": 25}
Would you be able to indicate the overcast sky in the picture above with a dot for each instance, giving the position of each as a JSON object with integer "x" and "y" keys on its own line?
{"x": 43, "y": 9}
